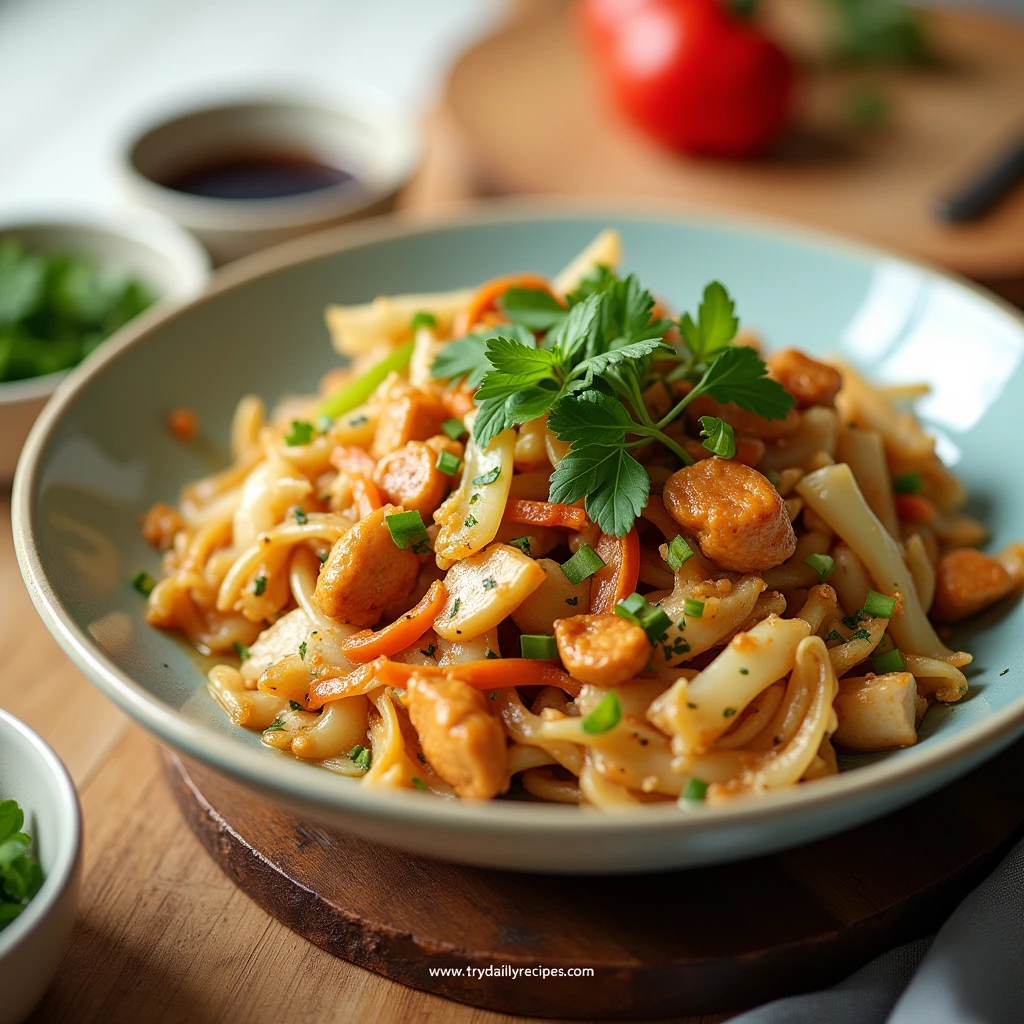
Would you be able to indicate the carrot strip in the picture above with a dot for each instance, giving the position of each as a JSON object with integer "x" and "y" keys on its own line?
{"x": 546, "y": 513}
{"x": 348, "y": 458}
{"x": 914, "y": 509}
{"x": 618, "y": 579}
{"x": 383, "y": 643}
{"x": 365, "y": 495}
{"x": 487, "y": 295}
{"x": 488, "y": 674}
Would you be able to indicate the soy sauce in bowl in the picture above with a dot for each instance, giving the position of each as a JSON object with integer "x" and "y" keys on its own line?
{"x": 258, "y": 176}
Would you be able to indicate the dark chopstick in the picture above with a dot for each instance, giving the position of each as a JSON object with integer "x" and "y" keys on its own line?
{"x": 984, "y": 191}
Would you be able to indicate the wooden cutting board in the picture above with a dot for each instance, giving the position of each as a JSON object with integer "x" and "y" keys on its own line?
{"x": 704, "y": 941}
{"x": 529, "y": 111}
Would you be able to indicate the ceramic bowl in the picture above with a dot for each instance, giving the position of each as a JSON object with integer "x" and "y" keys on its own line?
{"x": 33, "y": 944}
{"x": 166, "y": 258}
{"x": 86, "y": 479}
{"x": 362, "y": 132}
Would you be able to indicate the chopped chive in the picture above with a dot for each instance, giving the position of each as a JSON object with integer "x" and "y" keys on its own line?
{"x": 908, "y": 483}
{"x": 242, "y": 651}
{"x": 678, "y": 553}
{"x": 487, "y": 478}
{"x": 420, "y": 785}
{"x": 523, "y": 543}
{"x": 276, "y": 725}
{"x": 605, "y": 716}
{"x": 891, "y": 661}
{"x": 694, "y": 609}
{"x": 454, "y": 428}
{"x": 302, "y": 650}
{"x": 879, "y": 606}
{"x": 696, "y": 790}
{"x": 823, "y": 565}
{"x": 448, "y": 463}
{"x": 361, "y": 756}
{"x": 406, "y": 528}
{"x": 651, "y": 619}
{"x": 354, "y": 394}
{"x": 259, "y": 585}
{"x": 490, "y": 583}
{"x": 295, "y": 705}
{"x": 143, "y": 583}
{"x": 538, "y": 647}
{"x": 301, "y": 432}
{"x": 422, "y": 319}
{"x": 300, "y": 516}
{"x": 584, "y": 563}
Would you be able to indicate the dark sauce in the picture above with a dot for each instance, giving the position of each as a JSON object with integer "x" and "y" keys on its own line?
{"x": 259, "y": 176}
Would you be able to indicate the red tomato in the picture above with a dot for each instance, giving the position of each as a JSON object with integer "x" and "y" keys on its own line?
{"x": 691, "y": 74}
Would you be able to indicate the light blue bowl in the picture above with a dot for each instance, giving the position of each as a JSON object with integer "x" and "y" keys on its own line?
{"x": 100, "y": 456}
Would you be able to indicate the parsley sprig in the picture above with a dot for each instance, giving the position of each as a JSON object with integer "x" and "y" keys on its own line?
{"x": 588, "y": 370}
{"x": 20, "y": 874}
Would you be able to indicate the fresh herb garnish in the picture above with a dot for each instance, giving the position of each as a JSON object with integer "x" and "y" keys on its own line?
{"x": 678, "y": 553}
{"x": 455, "y": 608}
{"x": 860, "y": 634}
{"x": 908, "y": 483}
{"x": 879, "y": 606}
{"x": 361, "y": 756}
{"x": 823, "y": 565}
{"x": 300, "y": 516}
{"x": 583, "y": 564}
{"x": 302, "y": 651}
{"x": 242, "y": 651}
{"x": 489, "y": 583}
{"x": 720, "y": 439}
{"x": 651, "y": 619}
{"x": 299, "y": 433}
{"x": 259, "y": 585}
{"x": 523, "y": 543}
{"x": 693, "y": 609}
{"x": 487, "y": 478}
{"x": 453, "y": 428}
{"x": 538, "y": 647}
{"x": 295, "y": 705}
{"x": 891, "y": 661}
{"x": 696, "y": 790}
{"x": 728, "y": 712}
{"x": 470, "y": 521}
{"x": 276, "y": 725}
{"x": 422, "y": 319}
{"x": 143, "y": 583}
{"x": 21, "y": 877}
{"x": 406, "y": 529}
{"x": 605, "y": 716}
{"x": 448, "y": 463}
{"x": 429, "y": 650}
{"x": 420, "y": 785}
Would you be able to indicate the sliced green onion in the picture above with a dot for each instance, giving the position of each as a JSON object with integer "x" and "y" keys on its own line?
{"x": 487, "y": 478}
{"x": 584, "y": 563}
{"x": 694, "y": 609}
{"x": 422, "y": 319}
{"x": 242, "y": 651}
{"x": 360, "y": 755}
{"x": 651, "y": 619}
{"x": 406, "y": 528}
{"x": 301, "y": 432}
{"x": 420, "y": 785}
{"x": 891, "y": 661}
{"x": 823, "y": 565}
{"x": 696, "y": 790}
{"x": 355, "y": 394}
{"x": 678, "y": 553}
{"x": 454, "y": 428}
{"x": 448, "y": 463}
{"x": 879, "y": 606}
{"x": 605, "y": 716}
{"x": 523, "y": 543}
{"x": 908, "y": 483}
{"x": 143, "y": 583}
{"x": 538, "y": 646}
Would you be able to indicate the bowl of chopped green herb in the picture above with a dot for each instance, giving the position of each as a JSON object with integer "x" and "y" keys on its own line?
{"x": 40, "y": 866}
{"x": 66, "y": 285}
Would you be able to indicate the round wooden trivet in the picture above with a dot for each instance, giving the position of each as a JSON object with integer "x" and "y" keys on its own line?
{"x": 525, "y": 107}
{"x": 688, "y": 942}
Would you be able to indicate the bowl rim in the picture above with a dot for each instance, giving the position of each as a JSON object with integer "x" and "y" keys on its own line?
{"x": 357, "y": 103}
{"x": 144, "y": 229}
{"x": 302, "y": 784}
{"x": 69, "y": 840}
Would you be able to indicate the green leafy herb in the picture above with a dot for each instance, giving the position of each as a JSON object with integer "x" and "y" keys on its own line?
{"x": 678, "y": 553}
{"x": 720, "y": 439}
{"x": 860, "y": 634}
{"x": 880, "y": 32}
{"x": 429, "y": 651}
{"x": 406, "y": 529}
{"x": 728, "y": 712}
{"x": 533, "y": 308}
{"x": 523, "y": 543}
{"x": 716, "y": 323}
{"x": 694, "y": 609}
{"x": 420, "y": 785}
{"x": 584, "y": 563}
{"x": 835, "y": 635}
{"x": 143, "y": 583}
{"x": 21, "y": 877}
{"x": 301, "y": 432}
{"x": 538, "y": 647}
{"x": 242, "y": 651}
{"x": 422, "y": 319}
{"x": 469, "y": 522}
{"x": 823, "y": 565}
{"x": 448, "y": 463}
{"x": 651, "y": 619}
{"x": 879, "y": 606}
{"x": 259, "y": 585}
{"x": 695, "y": 791}
{"x": 605, "y": 716}
{"x": 455, "y": 608}
{"x": 300, "y": 516}
{"x": 295, "y": 705}
{"x": 361, "y": 756}
{"x": 487, "y": 478}
{"x": 572, "y": 601}
{"x": 354, "y": 394}
{"x": 489, "y": 583}
{"x": 908, "y": 483}
{"x": 302, "y": 650}
{"x": 454, "y": 428}
{"x": 276, "y": 725}
{"x": 490, "y": 655}
{"x": 891, "y": 661}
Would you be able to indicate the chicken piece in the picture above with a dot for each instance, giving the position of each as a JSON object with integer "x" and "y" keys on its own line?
{"x": 967, "y": 581}
{"x": 409, "y": 477}
{"x": 365, "y": 572}
{"x": 160, "y": 524}
{"x": 460, "y": 739}
{"x": 602, "y": 649}
{"x": 876, "y": 712}
{"x": 739, "y": 519}
{"x": 747, "y": 424}
{"x": 409, "y": 414}
{"x": 807, "y": 380}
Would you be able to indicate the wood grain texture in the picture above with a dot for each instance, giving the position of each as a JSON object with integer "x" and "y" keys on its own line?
{"x": 719, "y": 939}
{"x": 532, "y": 116}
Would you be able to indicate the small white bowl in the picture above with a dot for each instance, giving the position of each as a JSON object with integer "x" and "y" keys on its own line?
{"x": 33, "y": 944}
{"x": 168, "y": 260}
{"x": 362, "y": 133}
